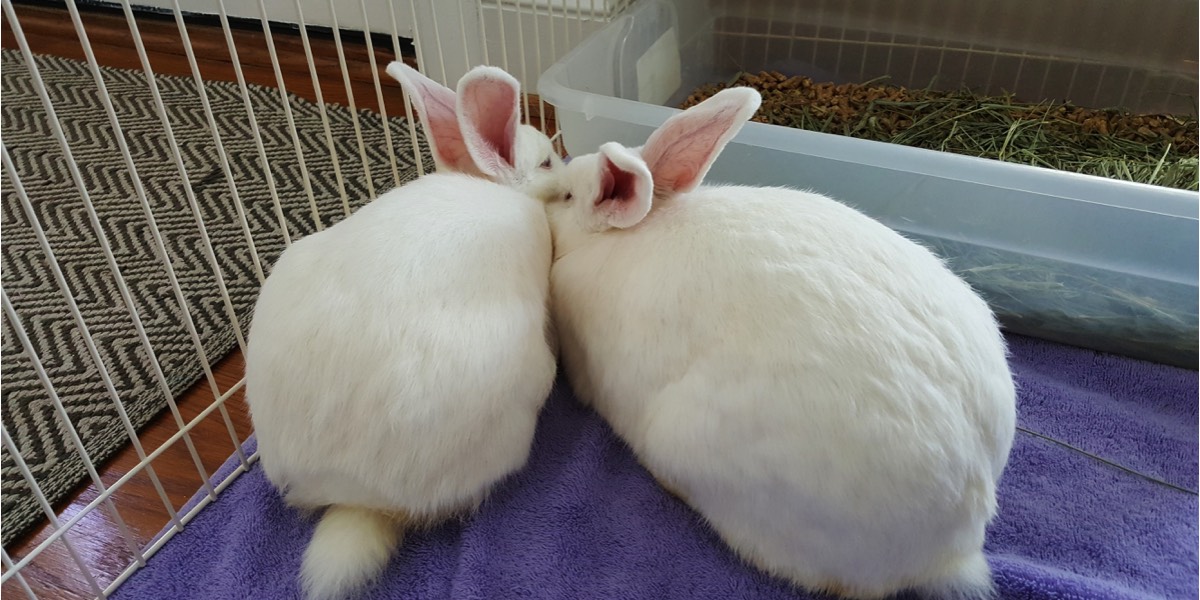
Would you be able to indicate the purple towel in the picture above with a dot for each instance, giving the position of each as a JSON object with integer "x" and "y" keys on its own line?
{"x": 584, "y": 520}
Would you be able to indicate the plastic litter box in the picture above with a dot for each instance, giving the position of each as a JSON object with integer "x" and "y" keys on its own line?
{"x": 1078, "y": 259}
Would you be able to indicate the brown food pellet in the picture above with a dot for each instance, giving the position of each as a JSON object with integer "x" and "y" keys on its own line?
{"x": 881, "y": 112}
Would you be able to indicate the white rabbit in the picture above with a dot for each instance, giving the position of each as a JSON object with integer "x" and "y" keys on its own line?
{"x": 398, "y": 360}
{"x": 826, "y": 393}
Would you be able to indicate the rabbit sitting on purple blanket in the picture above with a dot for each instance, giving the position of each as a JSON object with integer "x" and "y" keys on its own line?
{"x": 826, "y": 393}
{"x": 398, "y": 360}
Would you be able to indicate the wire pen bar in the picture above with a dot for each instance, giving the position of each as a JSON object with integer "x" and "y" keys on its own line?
{"x": 521, "y": 44}
{"x": 210, "y": 118}
{"x": 20, "y": 579}
{"x": 358, "y": 136}
{"x": 387, "y": 130}
{"x": 537, "y": 48}
{"x": 90, "y": 506}
{"x": 187, "y": 518}
{"x": 287, "y": 113}
{"x": 408, "y": 111}
{"x": 325, "y": 128}
{"x": 254, "y": 129}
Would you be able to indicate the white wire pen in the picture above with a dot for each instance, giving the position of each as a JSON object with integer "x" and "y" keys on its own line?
{"x": 339, "y": 179}
{"x": 102, "y": 239}
{"x": 16, "y": 574}
{"x": 408, "y": 110}
{"x": 521, "y": 43}
{"x": 287, "y": 114}
{"x": 93, "y": 352}
{"x": 177, "y": 158}
{"x": 222, "y": 156}
{"x": 383, "y": 116}
{"x": 462, "y": 29}
{"x": 358, "y": 135}
{"x": 64, "y": 419}
{"x": 44, "y": 505}
{"x": 537, "y": 46}
{"x": 254, "y": 130}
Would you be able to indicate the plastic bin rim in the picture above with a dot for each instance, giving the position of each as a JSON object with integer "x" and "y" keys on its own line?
{"x": 1174, "y": 203}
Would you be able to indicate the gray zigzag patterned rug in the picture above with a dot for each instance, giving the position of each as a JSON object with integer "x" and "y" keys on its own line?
{"x": 28, "y": 413}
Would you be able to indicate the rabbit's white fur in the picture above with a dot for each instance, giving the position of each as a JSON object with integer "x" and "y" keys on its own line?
{"x": 826, "y": 393}
{"x": 398, "y": 360}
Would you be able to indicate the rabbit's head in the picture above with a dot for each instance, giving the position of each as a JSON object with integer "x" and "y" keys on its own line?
{"x": 616, "y": 187}
{"x": 477, "y": 131}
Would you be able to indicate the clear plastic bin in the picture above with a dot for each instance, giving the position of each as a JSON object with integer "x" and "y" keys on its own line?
{"x": 1078, "y": 259}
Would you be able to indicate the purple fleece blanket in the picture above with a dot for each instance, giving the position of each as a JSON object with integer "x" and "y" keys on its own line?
{"x": 584, "y": 520}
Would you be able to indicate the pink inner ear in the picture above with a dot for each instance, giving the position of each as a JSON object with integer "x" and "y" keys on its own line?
{"x": 681, "y": 156}
{"x": 442, "y": 125}
{"x": 490, "y": 107}
{"x": 615, "y": 184}
{"x": 625, "y": 187}
{"x": 680, "y": 152}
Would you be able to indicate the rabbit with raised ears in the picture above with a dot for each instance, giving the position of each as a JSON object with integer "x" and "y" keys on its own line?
{"x": 398, "y": 360}
{"x": 831, "y": 398}
{"x": 478, "y": 132}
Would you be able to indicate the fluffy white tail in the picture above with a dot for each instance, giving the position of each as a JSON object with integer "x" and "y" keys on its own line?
{"x": 349, "y": 548}
{"x": 968, "y": 579}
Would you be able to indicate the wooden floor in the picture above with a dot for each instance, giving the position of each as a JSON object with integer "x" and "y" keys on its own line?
{"x": 53, "y": 574}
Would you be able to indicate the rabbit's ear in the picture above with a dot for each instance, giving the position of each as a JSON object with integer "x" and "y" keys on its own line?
{"x": 488, "y": 113}
{"x": 435, "y": 106}
{"x": 626, "y": 190}
{"x": 681, "y": 151}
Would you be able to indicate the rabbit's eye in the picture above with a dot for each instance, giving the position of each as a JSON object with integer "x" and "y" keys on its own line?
{"x": 546, "y": 163}
{"x": 568, "y": 197}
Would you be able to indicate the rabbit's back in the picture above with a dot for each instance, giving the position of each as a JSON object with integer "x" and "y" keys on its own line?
{"x": 399, "y": 358}
{"x": 803, "y": 375}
